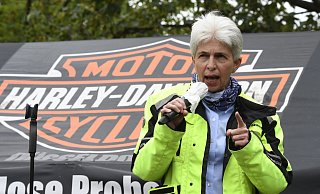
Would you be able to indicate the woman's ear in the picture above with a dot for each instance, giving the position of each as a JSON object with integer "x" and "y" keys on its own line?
{"x": 237, "y": 64}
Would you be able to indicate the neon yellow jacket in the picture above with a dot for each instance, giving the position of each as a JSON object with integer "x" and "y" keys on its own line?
{"x": 179, "y": 157}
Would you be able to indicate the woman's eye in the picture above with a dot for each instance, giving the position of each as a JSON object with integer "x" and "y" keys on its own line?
{"x": 221, "y": 56}
{"x": 202, "y": 55}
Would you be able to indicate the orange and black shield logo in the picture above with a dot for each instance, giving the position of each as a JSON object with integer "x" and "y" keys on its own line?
{"x": 93, "y": 102}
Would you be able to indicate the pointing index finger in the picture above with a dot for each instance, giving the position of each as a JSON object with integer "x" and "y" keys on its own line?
{"x": 239, "y": 120}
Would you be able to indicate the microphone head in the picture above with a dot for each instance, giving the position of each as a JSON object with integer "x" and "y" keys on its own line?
{"x": 195, "y": 93}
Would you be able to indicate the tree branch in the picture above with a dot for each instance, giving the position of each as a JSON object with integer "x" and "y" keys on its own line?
{"x": 65, "y": 3}
{"x": 310, "y": 6}
{"x": 28, "y": 8}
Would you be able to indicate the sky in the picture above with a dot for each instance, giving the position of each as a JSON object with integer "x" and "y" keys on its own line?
{"x": 290, "y": 9}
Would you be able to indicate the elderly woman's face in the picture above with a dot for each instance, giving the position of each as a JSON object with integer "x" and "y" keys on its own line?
{"x": 214, "y": 64}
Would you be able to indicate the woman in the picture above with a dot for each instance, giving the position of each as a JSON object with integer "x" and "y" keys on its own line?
{"x": 231, "y": 144}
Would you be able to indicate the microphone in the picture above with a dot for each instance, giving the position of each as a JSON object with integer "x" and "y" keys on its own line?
{"x": 191, "y": 98}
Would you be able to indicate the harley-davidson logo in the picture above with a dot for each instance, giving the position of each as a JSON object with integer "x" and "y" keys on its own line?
{"x": 93, "y": 102}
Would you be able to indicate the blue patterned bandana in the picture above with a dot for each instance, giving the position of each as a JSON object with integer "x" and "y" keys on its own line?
{"x": 227, "y": 99}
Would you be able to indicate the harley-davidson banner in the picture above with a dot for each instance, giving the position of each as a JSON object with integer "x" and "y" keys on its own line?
{"x": 91, "y": 95}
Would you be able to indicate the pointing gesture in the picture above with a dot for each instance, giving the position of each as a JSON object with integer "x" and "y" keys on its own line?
{"x": 240, "y": 135}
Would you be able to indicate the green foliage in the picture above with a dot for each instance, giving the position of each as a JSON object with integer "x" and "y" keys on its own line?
{"x": 11, "y": 21}
{"x": 58, "y": 20}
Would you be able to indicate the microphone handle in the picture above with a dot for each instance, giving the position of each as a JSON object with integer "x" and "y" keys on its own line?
{"x": 167, "y": 117}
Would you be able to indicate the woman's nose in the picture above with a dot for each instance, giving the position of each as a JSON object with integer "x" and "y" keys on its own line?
{"x": 211, "y": 64}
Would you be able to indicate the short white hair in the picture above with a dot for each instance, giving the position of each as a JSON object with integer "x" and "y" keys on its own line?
{"x": 215, "y": 26}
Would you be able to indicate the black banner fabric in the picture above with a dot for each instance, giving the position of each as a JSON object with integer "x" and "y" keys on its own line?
{"x": 91, "y": 94}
